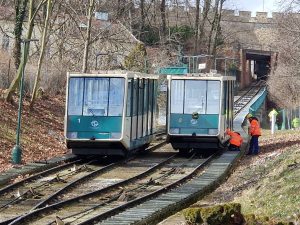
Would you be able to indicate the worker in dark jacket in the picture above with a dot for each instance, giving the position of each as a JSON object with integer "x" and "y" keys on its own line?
{"x": 255, "y": 132}
{"x": 235, "y": 140}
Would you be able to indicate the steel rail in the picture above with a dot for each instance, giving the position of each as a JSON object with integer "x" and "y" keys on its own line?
{"x": 58, "y": 192}
{"x": 73, "y": 184}
{"x": 80, "y": 180}
{"x": 22, "y": 219}
{"x": 149, "y": 196}
{"x": 33, "y": 189}
{"x": 258, "y": 84}
{"x": 115, "y": 197}
{"x": 36, "y": 176}
{"x": 248, "y": 96}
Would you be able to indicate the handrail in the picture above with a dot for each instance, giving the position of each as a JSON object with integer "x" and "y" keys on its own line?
{"x": 259, "y": 101}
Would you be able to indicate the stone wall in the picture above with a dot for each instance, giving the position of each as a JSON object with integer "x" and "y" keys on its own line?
{"x": 186, "y": 15}
{"x": 237, "y": 26}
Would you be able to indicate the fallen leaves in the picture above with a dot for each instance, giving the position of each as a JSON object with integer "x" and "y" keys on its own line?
{"x": 42, "y": 130}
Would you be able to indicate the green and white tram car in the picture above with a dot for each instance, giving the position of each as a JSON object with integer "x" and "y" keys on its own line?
{"x": 110, "y": 112}
{"x": 200, "y": 108}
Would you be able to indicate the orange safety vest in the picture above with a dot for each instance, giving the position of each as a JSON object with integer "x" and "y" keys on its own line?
{"x": 254, "y": 129}
{"x": 235, "y": 138}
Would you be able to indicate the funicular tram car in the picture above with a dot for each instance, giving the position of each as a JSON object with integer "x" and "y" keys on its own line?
{"x": 110, "y": 113}
{"x": 200, "y": 108}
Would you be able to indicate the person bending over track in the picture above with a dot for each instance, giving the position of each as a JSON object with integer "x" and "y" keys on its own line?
{"x": 235, "y": 141}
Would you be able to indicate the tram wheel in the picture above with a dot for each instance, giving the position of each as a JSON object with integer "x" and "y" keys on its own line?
{"x": 184, "y": 152}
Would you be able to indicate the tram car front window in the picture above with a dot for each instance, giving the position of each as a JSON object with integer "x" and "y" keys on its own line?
{"x": 195, "y": 106}
{"x": 95, "y": 107}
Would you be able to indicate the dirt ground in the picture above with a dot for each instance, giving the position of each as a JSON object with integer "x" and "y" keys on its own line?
{"x": 41, "y": 135}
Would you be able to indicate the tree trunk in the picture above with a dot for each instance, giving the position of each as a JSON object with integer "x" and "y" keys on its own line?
{"x": 142, "y": 8}
{"x": 20, "y": 8}
{"x": 42, "y": 53}
{"x": 88, "y": 36}
{"x": 15, "y": 83}
{"x": 163, "y": 18}
{"x": 218, "y": 28}
{"x": 206, "y": 9}
{"x": 213, "y": 27}
{"x": 197, "y": 26}
{"x": 120, "y": 8}
{"x": 130, "y": 13}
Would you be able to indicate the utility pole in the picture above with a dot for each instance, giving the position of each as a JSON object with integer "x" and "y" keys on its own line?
{"x": 17, "y": 151}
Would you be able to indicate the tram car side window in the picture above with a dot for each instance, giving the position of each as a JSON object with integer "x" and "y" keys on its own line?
{"x": 134, "y": 113}
{"x": 140, "y": 108}
{"x": 109, "y": 114}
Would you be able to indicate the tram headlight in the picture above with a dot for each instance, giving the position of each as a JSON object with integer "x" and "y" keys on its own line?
{"x": 174, "y": 130}
{"x": 72, "y": 135}
{"x": 212, "y": 131}
{"x": 115, "y": 135}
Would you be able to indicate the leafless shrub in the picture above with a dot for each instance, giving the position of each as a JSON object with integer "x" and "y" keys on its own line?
{"x": 284, "y": 83}
{"x": 54, "y": 81}
{"x": 6, "y": 70}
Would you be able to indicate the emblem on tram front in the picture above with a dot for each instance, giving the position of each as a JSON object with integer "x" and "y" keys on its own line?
{"x": 194, "y": 121}
{"x": 95, "y": 123}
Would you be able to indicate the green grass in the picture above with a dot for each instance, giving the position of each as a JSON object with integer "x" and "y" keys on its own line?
{"x": 277, "y": 194}
{"x": 266, "y": 133}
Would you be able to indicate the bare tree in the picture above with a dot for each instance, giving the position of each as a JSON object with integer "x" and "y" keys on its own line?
{"x": 142, "y": 9}
{"x": 200, "y": 25}
{"x": 20, "y": 11}
{"x": 197, "y": 25}
{"x": 42, "y": 53}
{"x": 33, "y": 10}
{"x": 215, "y": 35}
{"x": 163, "y": 17}
{"x": 218, "y": 35}
{"x": 285, "y": 79}
{"x": 88, "y": 36}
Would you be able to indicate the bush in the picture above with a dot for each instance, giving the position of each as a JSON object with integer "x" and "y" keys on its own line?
{"x": 135, "y": 61}
{"x": 55, "y": 82}
{"x": 227, "y": 214}
{"x": 181, "y": 33}
{"x": 192, "y": 215}
{"x": 7, "y": 70}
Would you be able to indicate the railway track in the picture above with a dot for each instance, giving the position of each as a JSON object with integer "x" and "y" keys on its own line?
{"x": 242, "y": 101}
{"x": 101, "y": 203}
{"x": 86, "y": 194}
{"x": 33, "y": 193}
{"x": 45, "y": 187}
{"x": 163, "y": 205}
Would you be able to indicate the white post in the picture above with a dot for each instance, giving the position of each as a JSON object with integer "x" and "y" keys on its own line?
{"x": 273, "y": 120}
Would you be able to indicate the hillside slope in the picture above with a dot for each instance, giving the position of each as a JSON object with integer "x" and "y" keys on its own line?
{"x": 266, "y": 184}
{"x": 42, "y": 130}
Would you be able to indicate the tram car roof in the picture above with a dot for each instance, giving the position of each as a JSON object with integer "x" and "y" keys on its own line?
{"x": 202, "y": 76}
{"x": 113, "y": 73}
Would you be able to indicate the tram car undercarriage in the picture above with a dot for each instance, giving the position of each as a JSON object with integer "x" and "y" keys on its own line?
{"x": 110, "y": 113}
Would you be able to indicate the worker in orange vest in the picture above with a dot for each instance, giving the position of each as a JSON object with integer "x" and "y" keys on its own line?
{"x": 235, "y": 140}
{"x": 255, "y": 132}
